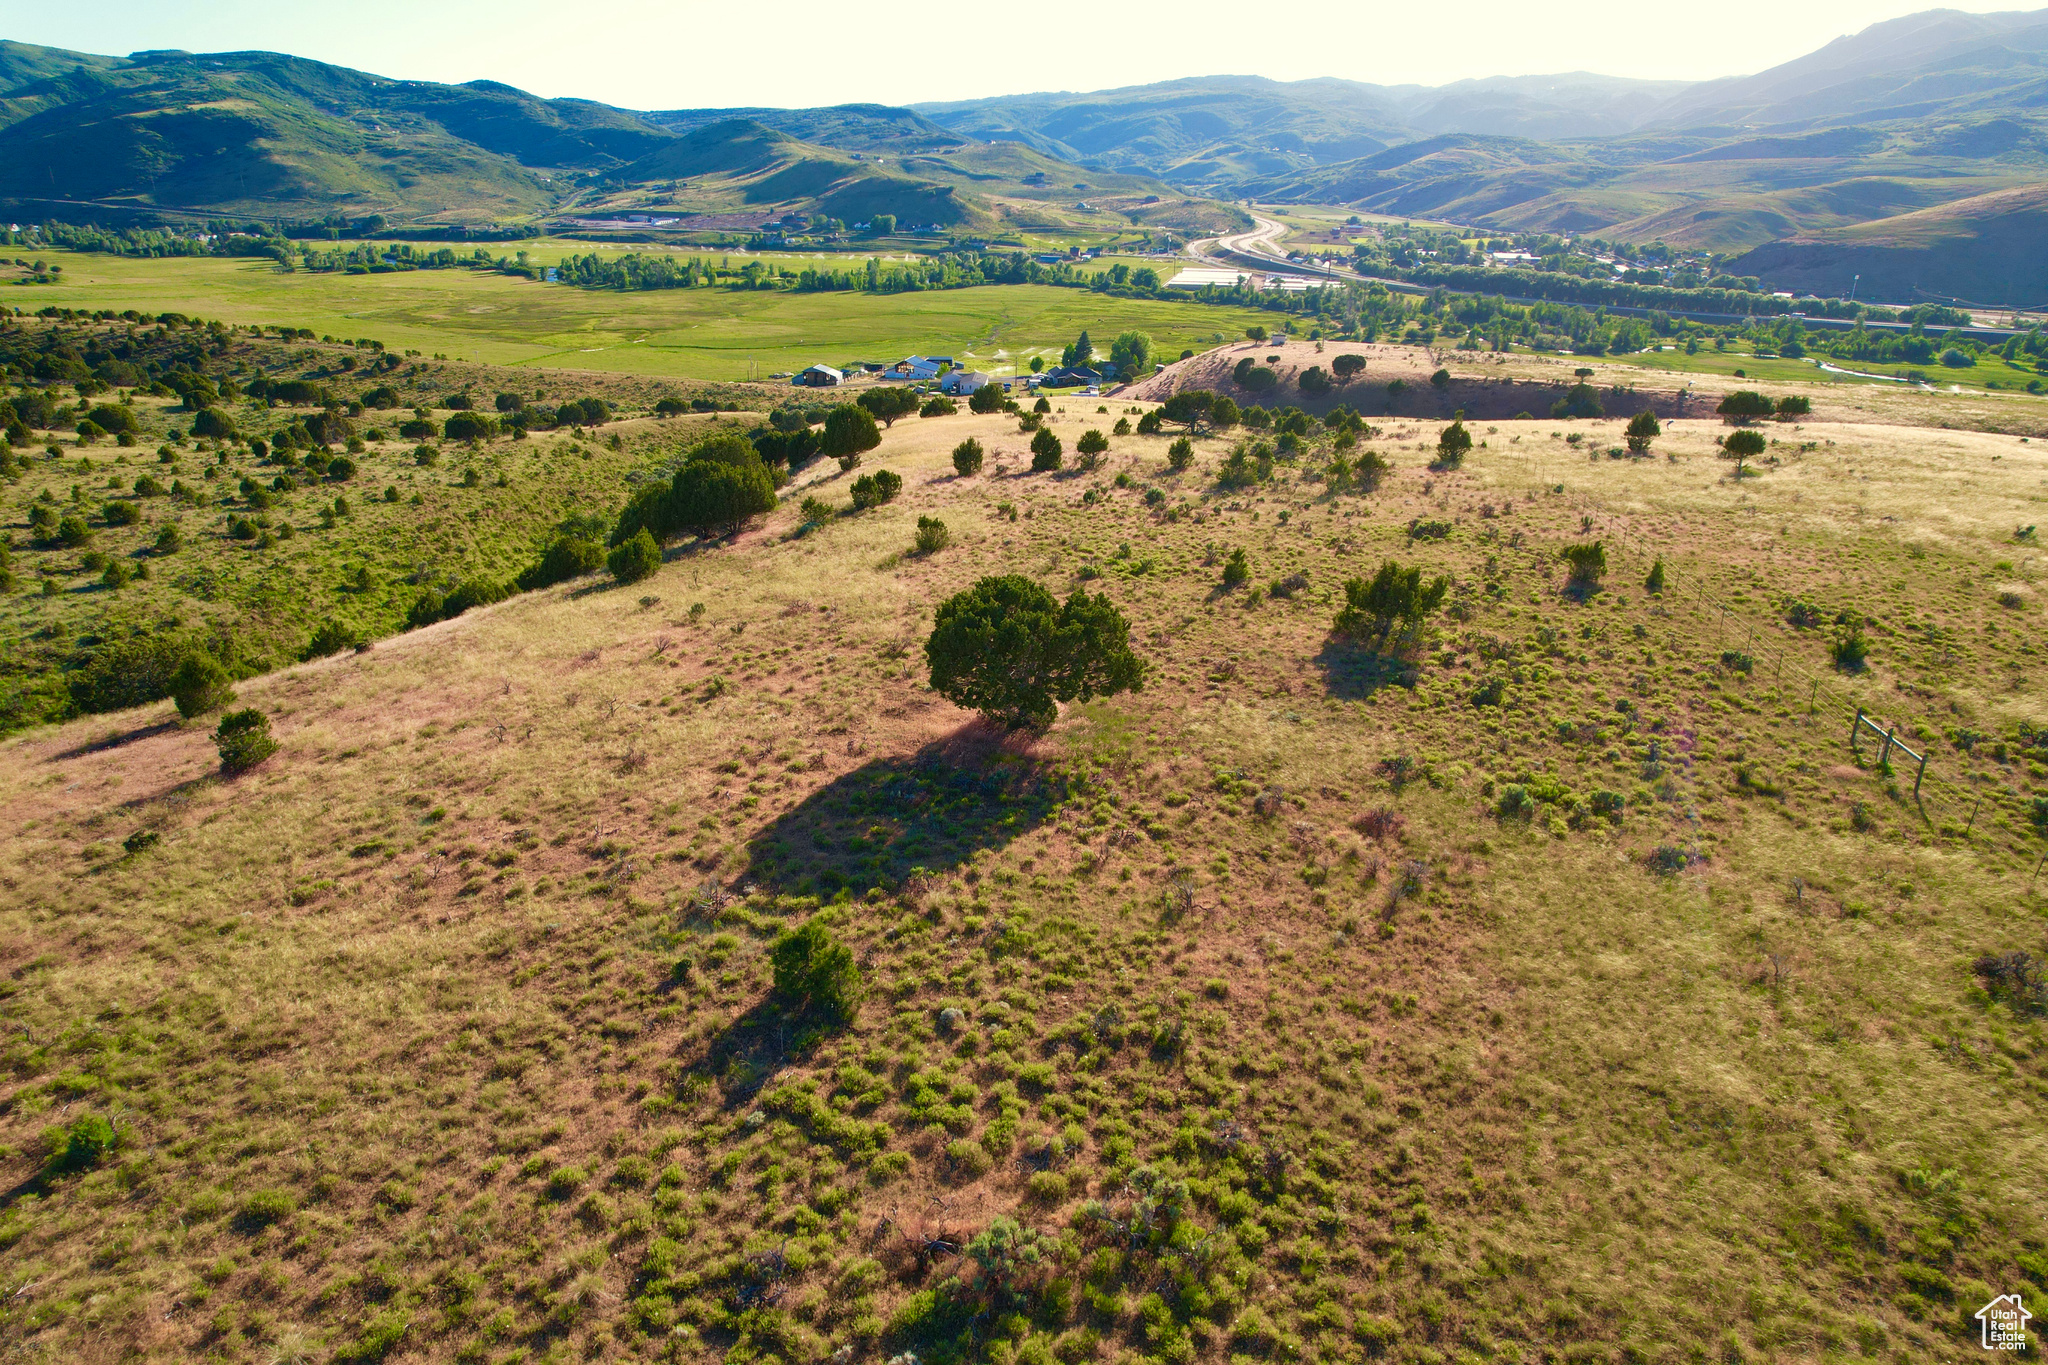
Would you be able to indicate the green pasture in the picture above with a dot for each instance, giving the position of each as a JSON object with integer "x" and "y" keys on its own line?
{"x": 1989, "y": 370}
{"x": 714, "y": 334}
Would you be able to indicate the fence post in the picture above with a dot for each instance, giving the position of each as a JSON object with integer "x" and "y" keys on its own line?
{"x": 1884, "y": 760}
{"x": 1974, "y": 805}
{"x": 1855, "y": 729}
{"x": 1919, "y": 777}
{"x": 1813, "y": 698}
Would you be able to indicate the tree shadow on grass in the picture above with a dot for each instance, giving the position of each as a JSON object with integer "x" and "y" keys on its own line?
{"x": 933, "y": 809}
{"x": 1354, "y": 672}
{"x": 115, "y": 740}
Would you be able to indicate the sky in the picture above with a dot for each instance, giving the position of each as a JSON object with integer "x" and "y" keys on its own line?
{"x": 672, "y": 54}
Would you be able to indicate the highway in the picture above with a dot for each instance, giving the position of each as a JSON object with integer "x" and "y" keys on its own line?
{"x": 1259, "y": 249}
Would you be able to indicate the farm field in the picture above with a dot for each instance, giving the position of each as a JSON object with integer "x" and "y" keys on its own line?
{"x": 1561, "y": 985}
{"x": 709, "y": 334}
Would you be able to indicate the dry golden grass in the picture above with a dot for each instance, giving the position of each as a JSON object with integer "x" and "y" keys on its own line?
{"x": 417, "y": 972}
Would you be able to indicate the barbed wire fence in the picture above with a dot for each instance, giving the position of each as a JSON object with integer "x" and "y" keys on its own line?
{"x": 1949, "y": 810}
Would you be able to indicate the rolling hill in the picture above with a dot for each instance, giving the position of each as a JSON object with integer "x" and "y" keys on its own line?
{"x": 741, "y": 165}
{"x": 1219, "y": 130}
{"x": 847, "y": 127}
{"x": 260, "y": 134}
{"x": 1932, "y": 64}
{"x": 1986, "y": 248}
{"x": 1906, "y": 115}
{"x": 1902, "y": 118}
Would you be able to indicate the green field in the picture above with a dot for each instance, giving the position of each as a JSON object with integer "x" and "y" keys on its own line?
{"x": 718, "y": 334}
{"x": 1990, "y": 371}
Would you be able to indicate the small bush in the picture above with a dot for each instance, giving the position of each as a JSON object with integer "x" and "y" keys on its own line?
{"x": 1642, "y": 429}
{"x": 1654, "y": 584}
{"x": 331, "y": 638}
{"x": 265, "y": 1207}
{"x": 1665, "y": 860}
{"x": 1745, "y": 405}
{"x": 1092, "y": 442}
{"x": 200, "y": 685}
{"x": 569, "y": 557}
{"x": 1236, "y": 569}
{"x": 1180, "y": 454}
{"x": 82, "y": 1145}
{"x": 968, "y": 1159}
{"x": 967, "y": 458}
{"x": 426, "y": 609}
{"x": 1850, "y": 648}
{"x": 938, "y": 406}
{"x": 932, "y": 535}
{"x": 635, "y": 558}
{"x": 872, "y": 490}
{"x": 243, "y": 740}
{"x": 1453, "y": 445}
{"x": 121, "y": 513}
{"x": 815, "y": 974}
{"x": 1588, "y": 563}
{"x": 1742, "y": 447}
{"x": 1045, "y": 452}
{"x": 1046, "y": 1187}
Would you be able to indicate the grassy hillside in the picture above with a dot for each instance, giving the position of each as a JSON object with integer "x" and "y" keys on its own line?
{"x": 1217, "y": 130}
{"x": 848, "y": 127}
{"x": 1979, "y": 249}
{"x": 256, "y": 133}
{"x": 1689, "y": 189}
{"x": 351, "y": 546}
{"x": 264, "y": 134}
{"x": 1311, "y": 1002}
{"x": 1940, "y": 62}
{"x": 25, "y": 63}
{"x": 742, "y": 163}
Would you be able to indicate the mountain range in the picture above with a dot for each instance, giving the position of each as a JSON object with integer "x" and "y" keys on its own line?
{"x": 1912, "y": 133}
{"x": 263, "y": 135}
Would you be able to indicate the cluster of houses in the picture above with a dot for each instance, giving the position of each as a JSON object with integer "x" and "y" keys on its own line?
{"x": 945, "y": 377}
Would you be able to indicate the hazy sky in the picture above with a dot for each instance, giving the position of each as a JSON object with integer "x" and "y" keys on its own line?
{"x": 661, "y": 54}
